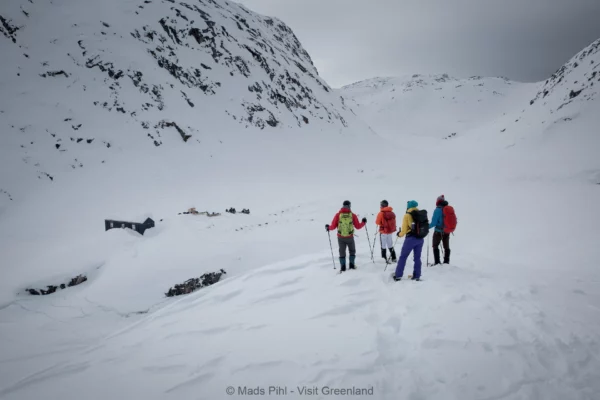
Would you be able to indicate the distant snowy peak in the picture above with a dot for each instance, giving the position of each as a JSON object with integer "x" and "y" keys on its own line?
{"x": 577, "y": 80}
{"x": 417, "y": 80}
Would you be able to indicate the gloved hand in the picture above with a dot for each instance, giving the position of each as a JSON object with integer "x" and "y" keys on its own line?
{"x": 398, "y": 234}
{"x": 364, "y": 220}
{"x": 327, "y": 228}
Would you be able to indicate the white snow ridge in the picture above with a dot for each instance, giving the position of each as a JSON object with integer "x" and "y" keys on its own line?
{"x": 121, "y": 111}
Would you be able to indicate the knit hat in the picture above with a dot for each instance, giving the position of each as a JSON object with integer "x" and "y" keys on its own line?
{"x": 384, "y": 203}
{"x": 439, "y": 200}
{"x": 412, "y": 204}
{"x": 346, "y": 203}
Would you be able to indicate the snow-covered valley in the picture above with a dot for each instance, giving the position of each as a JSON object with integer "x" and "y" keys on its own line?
{"x": 222, "y": 107}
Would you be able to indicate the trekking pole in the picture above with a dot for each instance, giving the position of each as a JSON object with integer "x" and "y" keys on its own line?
{"x": 373, "y": 251}
{"x": 331, "y": 247}
{"x": 369, "y": 241}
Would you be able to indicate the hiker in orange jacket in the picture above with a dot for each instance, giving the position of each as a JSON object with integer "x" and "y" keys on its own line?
{"x": 386, "y": 220}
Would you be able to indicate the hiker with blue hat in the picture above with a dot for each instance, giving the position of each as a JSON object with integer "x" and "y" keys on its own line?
{"x": 415, "y": 226}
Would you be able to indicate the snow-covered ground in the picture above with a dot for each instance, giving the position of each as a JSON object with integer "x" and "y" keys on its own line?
{"x": 514, "y": 316}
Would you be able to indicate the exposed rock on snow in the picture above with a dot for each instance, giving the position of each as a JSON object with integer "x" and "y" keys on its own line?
{"x": 577, "y": 77}
{"x": 194, "y": 284}
{"x": 4, "y": 192}
{"x": 193, "y": 211}
{"x": 8, "y": 29}
{"x": 233, "y": 211}
{"x": 79, "y": 279}
{"x": 54, "y": 73}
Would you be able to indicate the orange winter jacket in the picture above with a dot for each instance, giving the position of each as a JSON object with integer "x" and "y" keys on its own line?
{"x": 390, "y": 225}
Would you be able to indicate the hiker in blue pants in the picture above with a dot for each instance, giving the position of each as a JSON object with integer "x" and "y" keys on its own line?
{"x": 411, "y": 243}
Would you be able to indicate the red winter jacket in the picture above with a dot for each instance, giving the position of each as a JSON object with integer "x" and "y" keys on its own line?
{"x": 336, "y": 220}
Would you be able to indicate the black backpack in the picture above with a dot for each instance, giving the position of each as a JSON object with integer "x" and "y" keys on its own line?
{"x": 420, "y": 227}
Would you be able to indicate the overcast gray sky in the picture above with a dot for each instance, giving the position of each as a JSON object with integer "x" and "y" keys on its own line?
{"x": 352, "y": 40}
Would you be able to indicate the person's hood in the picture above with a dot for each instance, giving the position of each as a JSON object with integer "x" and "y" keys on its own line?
{"x": 345, "y": 210}
{"x": 388, "y": 208}
{"x": 412, "y": 209}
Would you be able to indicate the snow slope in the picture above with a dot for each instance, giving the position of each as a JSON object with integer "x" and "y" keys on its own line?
{"x": 160, "y": 108}
{"x": 483, "y": 328}
{"x": 515, "y": 315}
{"x": 397, "y": 106}
{"x": 107, "y": 81}
{"x": 539, "y": 128}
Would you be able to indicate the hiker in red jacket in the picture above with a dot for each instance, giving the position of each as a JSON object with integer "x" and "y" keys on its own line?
{"x": 386, "y": 220}
{"x": 346, "y": 221}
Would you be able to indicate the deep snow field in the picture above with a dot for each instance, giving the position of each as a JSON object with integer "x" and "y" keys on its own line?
{"x": 516, "y": 314}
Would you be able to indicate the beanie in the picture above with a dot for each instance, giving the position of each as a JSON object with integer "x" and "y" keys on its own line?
{"x": 346, "y": 203}
{"x": 439, "y": 200}
{"x": 412, "y": 204}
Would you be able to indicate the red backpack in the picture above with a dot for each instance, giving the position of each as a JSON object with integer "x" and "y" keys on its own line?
{"x": 449, "y": 219}
{"x": 389, "y": 221}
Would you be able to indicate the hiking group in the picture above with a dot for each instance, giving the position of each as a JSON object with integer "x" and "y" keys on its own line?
{"x": 415, "y": 227}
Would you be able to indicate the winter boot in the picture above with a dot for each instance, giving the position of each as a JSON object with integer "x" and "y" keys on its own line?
{"x": 352, "y": 266}
{"x": 395, "y": 278}
{"x": 383, "y": 254}
{"x": 436, "y": 256}
{"x": 343, "y": 264}
{"x": 393, "y": 254}
{"x": 447, "y": 257}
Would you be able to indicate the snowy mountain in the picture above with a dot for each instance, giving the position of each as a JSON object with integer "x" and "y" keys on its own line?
{"x": 530, "y": 122}
{"x": 127, "y": 110}
{"x": 83, "y": 80}
{"x": 397, "y": 106}
{"x": 573, "y": 83}
{"x": 134, "y": 109}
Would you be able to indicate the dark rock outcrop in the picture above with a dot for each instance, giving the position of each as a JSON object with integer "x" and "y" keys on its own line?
{"x": 194, "y": 284}
{"x": 79, "y": 279}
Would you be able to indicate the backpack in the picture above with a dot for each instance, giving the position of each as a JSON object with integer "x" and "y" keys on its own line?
{"x": 449, "y": 218}
{"x": 345, "y": 224}
{"x": 389, "y": 221}
{"x": 420, "y": 226}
